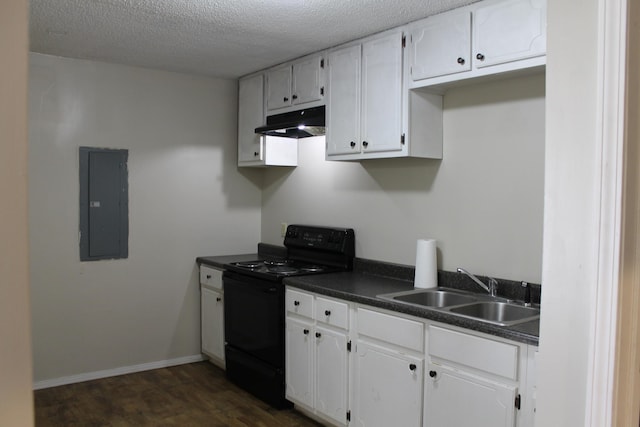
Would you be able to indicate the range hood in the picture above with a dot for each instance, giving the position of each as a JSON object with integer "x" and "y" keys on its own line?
{"x": 295, "y": 124}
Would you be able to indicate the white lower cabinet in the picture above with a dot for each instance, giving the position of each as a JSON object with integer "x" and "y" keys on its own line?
{"x": 456, "y": 398}
{"x": 481, "y": 375}
{"x": 388, "y": 389}
{"x": 299, "y": 362}
{"x": 405, "y": 371}
{"x": 331, "y": 374}
{"x": 388, "y": 370}
{"x": 317, "y": 355}
{"x": 212, "y": 315}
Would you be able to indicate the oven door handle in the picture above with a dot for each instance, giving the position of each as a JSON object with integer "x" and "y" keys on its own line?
{"x": 270, "y": 290}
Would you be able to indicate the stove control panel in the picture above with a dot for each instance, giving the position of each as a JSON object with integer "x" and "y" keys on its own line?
{"x": 340, "y": 240}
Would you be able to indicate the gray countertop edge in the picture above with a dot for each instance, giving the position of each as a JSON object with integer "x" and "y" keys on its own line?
{"x": 362, "y": 288}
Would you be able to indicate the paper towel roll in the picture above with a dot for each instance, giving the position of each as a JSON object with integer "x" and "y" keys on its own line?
{"x": 426, "y": 264}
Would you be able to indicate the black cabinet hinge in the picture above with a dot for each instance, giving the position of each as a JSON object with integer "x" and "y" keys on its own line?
{"x": 404, "y": 41}
{"x": 322, "y": 90}
{"x": 402, "y": 139}
{"x": 322, "y": 63}
{"x": 348, "y": 415}
{"x": 349, "y": 346}
{"x": 518, "y": 401}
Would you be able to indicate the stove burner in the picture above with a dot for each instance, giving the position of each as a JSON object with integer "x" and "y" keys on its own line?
{"x": 276, "y": 262}
{"x": 249, "y": 264}
{"x": 282, "y": 269}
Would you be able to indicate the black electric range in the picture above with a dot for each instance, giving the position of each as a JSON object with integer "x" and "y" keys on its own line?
{"x": 254, "y": 305}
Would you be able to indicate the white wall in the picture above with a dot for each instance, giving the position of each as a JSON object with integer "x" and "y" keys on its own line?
{"x": 572, "y": 214}
{"x": 186, "y": 199}
{"x": 16, "y": 397}
{"x": 483, "y": 201}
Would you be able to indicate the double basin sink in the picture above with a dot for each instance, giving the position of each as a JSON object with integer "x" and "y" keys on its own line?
{"x": 469, "y": 305}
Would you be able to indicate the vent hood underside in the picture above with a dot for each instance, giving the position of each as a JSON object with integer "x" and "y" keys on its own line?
{"x": 295, "y": 124}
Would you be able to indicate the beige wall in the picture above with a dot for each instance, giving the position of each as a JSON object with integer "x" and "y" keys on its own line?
{"x": 16, "y": 403}
{"x": 186, "y": 199}
{"x": 483, "y": 201}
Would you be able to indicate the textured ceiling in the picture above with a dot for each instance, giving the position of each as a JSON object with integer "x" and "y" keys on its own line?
{"x": 222, "y": 38}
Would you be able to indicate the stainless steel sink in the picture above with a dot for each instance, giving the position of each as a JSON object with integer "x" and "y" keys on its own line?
{"x": 500, "y": 313}
{"x": 470, "y": 305}
{"x": 430, "y": 297}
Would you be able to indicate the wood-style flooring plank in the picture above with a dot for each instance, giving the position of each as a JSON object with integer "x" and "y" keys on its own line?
{"x": 196, "y": 394}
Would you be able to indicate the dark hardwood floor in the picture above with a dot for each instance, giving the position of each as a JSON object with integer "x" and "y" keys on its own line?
{"x": 195, "y": 394}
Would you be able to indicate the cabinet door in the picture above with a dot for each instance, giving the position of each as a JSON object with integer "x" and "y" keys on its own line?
{"x": 454, "y": 398}
{"x": 307, "y": 82}
{"x": 343, "y": 101}
{"x": 331, "y": 374}
{"x": 279, "y": 88}
{"x": 250, "y": 116}
{"x": 388, "y": 388}
{"x": 509, "y": 30}
{"x": 212, "y": 327}
{"x": 299, "y": 362}
{"x": 381, "y": 127}
{"x": 441, "y": 45}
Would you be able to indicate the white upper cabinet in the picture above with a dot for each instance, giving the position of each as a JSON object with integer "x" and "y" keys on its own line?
{"x": 488, "y": 37}
{"x": 343, "y": 100}
{"x": 308, "y": 80}
{"x": 298, "y": 84}
{"x": 381, "y": 126}
{"x": 370, "y": 112}
{"x": 509, "y": 30}
{"x": 279, "y": 88}
{"x": 365, "y": 100}
{"x": 250, "y": 116}
{"x": 441, "y": 45}
{"x": 253, "y": 149}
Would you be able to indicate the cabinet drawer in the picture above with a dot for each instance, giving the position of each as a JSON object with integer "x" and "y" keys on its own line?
{"x": 332, "y": 312}
{"x": 480, "y": 353}
{"x": 211, "y": 277}
{"x": 391, "y": 329}
{"x": 300, "y": 303}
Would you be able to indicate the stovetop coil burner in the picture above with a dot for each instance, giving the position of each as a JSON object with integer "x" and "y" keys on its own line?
{"x": 249, "y": 264}
{"x": 276, "y": 262}
{"x": 279, "y": 267}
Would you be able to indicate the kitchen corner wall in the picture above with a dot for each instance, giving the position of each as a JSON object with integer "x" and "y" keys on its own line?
{"x": 186, "y": 199}
{"x": 483, "y": 201}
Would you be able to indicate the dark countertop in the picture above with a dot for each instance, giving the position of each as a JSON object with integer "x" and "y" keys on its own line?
{"x": 220, "y": 261}
{"x": 363, "y": 287}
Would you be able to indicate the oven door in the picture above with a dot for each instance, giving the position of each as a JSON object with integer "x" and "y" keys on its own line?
{"x": 254, "y": 317}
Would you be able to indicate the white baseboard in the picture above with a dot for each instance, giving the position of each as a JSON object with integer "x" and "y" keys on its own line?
{"x": 116, "y": 371}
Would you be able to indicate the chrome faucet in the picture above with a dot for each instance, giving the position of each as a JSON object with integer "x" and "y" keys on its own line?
{"x": 493, "y": 283}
